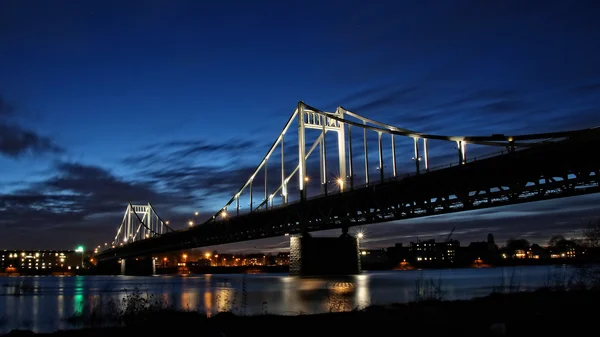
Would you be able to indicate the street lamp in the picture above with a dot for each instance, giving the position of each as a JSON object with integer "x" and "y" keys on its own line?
{"x": 80, "y": 250}
{"x": 360, "y": 235}
{"x": 340, "y": 183}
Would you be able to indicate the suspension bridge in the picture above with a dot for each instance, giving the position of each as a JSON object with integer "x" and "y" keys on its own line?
{"x": 523, "y": 168}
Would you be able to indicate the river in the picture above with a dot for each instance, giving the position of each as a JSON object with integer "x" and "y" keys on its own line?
{"x": 43, "y": 303}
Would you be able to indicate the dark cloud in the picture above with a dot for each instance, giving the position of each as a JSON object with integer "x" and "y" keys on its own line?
{"x": 200, "y": 169}
{"x": 16, "y": 141}
{"x": 75, "y": 197}
{"x": 200, "y": 180}
{"x": 187, "y": 150}
{"x": 384, "y": 100}
{"x": 505, "y": 106}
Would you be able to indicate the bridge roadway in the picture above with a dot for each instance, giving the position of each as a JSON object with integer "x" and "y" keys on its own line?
{"x": 549, "y": 170}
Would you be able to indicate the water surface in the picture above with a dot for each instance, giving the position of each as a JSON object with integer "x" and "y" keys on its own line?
{"x": 42, "y": 303}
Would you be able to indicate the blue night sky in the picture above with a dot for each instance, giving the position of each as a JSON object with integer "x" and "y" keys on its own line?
{"x": 175, "y": 102}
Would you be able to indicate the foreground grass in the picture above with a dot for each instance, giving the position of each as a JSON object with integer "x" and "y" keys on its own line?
{"x": 543, "y": 312}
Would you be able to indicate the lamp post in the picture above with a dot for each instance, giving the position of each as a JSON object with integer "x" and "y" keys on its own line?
{"x": 80, "y": 250}
{"x": 360, "y": 235}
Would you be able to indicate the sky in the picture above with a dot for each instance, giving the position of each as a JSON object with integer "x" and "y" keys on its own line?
{"x": 176, "y": 102}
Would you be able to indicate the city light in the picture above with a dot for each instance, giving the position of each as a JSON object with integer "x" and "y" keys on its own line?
{"x": 360, "y": 235}
{"x": 196, "y": 213}
{"x": 340, "y": 183}
{"x": 207, "y": 255}
{"x": 190, "y": 223}
{"x": 80, "y": 249}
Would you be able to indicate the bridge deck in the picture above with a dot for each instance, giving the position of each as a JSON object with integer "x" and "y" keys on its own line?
{"x": 551, "y": 170}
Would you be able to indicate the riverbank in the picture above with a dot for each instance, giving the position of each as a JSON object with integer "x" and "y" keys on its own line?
{"x": 543, "y": 312}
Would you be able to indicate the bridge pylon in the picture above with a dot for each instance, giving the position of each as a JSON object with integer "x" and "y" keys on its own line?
{"x": 139, "y": 222}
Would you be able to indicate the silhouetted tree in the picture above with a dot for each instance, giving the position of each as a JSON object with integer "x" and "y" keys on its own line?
{"x": 591, "y": 235}
{"x": 514, "y": 244}
{"x": 590, "y": 272}
{"x": 553, "y": 242}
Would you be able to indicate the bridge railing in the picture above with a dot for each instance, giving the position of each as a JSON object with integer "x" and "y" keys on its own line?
{"x": 402, "y": 176}
{"x": 377, "y": 182}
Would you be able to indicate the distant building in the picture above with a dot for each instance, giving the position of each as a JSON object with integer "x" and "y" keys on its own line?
{"x": 428, "y": 251}
{"x": 423, "y": 251}
{"x": 282, "y": 259}
{"x": 40, "y": 260}
{"x": 487, "y": 251}
{"x": 566, "y": 249}
{"x": 254, "y": 260}
{"x": 223, "y": 260}
{"x": 398, "y": 253}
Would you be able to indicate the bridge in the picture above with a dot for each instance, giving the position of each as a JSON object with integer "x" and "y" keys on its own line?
{"x": 522, "y": 168}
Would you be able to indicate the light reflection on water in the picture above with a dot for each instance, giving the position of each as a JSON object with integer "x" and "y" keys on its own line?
{"x": 43, "y": 303}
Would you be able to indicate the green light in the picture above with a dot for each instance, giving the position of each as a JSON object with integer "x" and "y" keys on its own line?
{"x": 79, "y": 249}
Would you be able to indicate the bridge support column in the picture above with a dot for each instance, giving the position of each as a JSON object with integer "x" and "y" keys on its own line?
{"x": 417, "y": 156}
{"x": 324, "y": 255}
{"x": 394, "y": 170}
{"x": 366, "y": 155}
{"x": 301, "y": 152}
{"x": 111, "y": 267}
{"x": 380, "y": 148}
{"x": 462, "y": 152}
{"x": 341, "y": 134}
{"x": 425, "y": 155}
{"x": 350, "y": 159}
{"x": 140, "y": 266}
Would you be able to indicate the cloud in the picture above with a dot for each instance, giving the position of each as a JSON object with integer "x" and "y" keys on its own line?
{"x": 76, "y": 192}
{"x": 186, "y": 151}
{"x": 504, "y": 106}
{"x": 16, "y": 141}
{"x": 386, "y": 99}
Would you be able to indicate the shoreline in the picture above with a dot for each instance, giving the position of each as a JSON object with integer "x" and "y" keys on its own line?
{"x": 544, "y": 311}
{"x": 285, "y": 269}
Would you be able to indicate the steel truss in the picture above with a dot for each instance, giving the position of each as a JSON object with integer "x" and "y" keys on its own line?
{"x": 540, "y": 171}
{"x": 139, "y": 222}
{"x": 341, "y": 121}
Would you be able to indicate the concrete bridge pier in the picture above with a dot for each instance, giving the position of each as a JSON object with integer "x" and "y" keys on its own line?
{"x": 324, "y": 256}
{"x": 110, "y": 267}
{"x": 139, "y": 266}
